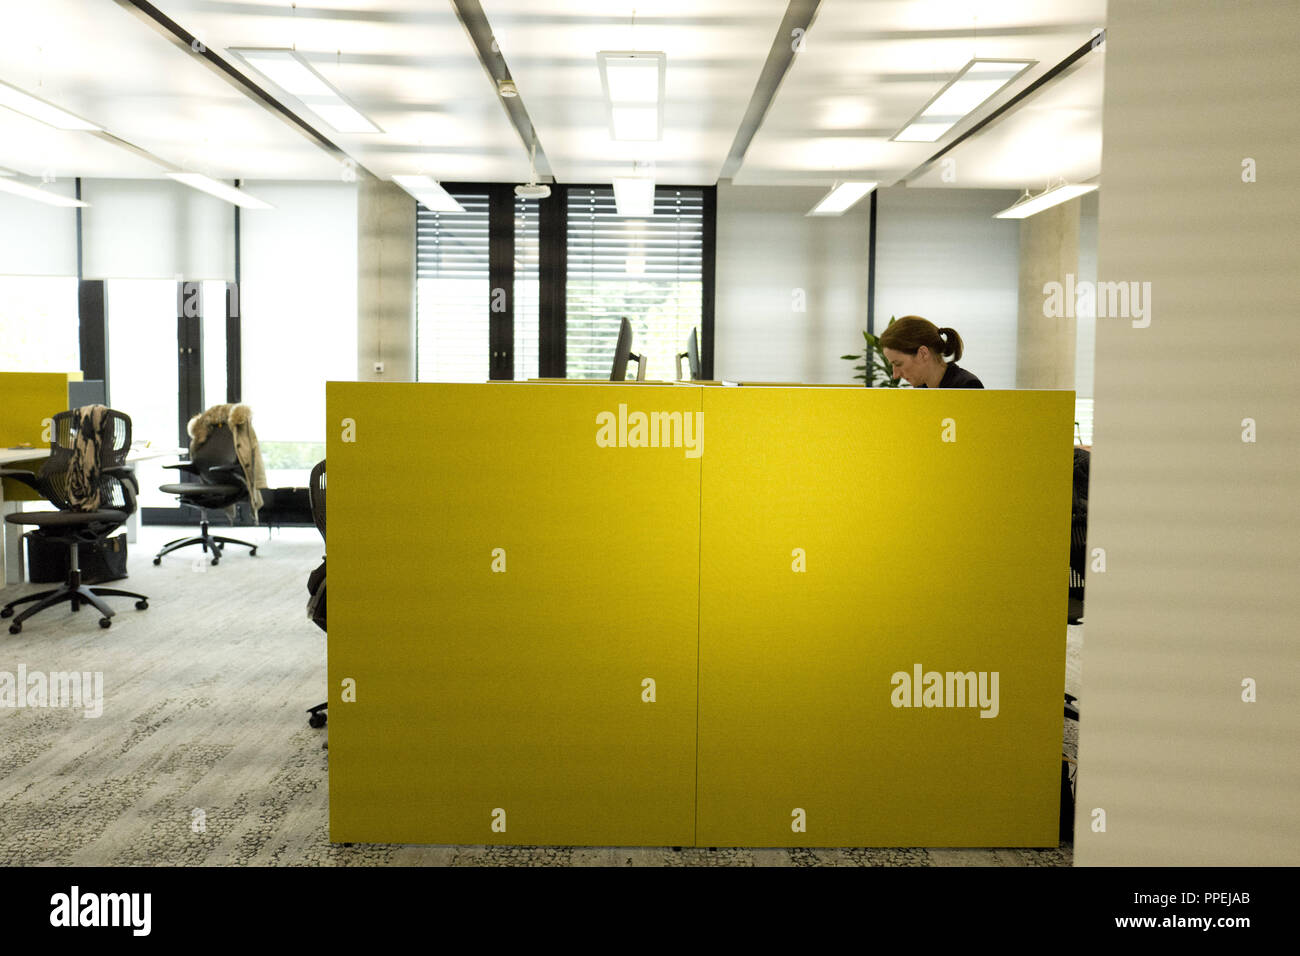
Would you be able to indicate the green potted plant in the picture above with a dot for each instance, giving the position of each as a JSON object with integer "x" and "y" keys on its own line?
{"x": 874, "y": 363}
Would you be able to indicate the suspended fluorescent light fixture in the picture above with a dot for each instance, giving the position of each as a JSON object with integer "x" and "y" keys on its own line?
{"x": 1028, "y": 205}
{"x": 634, "y": 196}
{"x": 633, "y": 84}
{"x": 961, "y": 96}
{"x": 288, "y": 70}
{"x": 219, "y": 189}
{"x": 40, "y": 195}
{"x": 841, "y": 197}
{"x": 37, "y": 109}
{"x": 428, "y": 191}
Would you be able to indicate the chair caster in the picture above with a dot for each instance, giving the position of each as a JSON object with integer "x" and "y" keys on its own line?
{"x": 157, "y": 561}
{"x": 214, "y": 561}
{"x": 105, "y": 622}
{"x": 316, "y": 720}
{"x": 142, "y": 605}
{"x": 252, "y": 552}
{"x": 6, "y": 612}
{"x": 15, "y": 628}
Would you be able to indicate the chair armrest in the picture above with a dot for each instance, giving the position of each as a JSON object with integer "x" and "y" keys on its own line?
{"x": 124, "y": 474}
{"x": 25, "y": 477}
{"x": 184, "y": 466}
{"x": 127, "y": 492}
{"x": 235, "y": 472}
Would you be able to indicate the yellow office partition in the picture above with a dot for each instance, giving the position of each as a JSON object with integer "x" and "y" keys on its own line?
{"x": 882, "y": 610}
{"x": 514, "y": 586}
{"x": 28, "y": 401}
{"x": 576, "y": 615}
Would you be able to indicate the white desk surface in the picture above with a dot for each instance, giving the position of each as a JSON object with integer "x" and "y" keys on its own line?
{"x": 10, "y": 553}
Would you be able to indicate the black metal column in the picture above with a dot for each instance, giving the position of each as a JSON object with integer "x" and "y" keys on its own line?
{"x": 189, "y": 348}
{"x": 871, "y": 288}
{"x": 92, "y": 313}
{"x": 553, "y": 242}
{"x": 707, "y": 277}
{"x": 234, "y": 340}
{"x": 501, "y": 282}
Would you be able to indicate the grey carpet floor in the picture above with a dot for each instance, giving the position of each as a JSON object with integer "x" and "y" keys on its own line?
{"x": 203, "y": 756}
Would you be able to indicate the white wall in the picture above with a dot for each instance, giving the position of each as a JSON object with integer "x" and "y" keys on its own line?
{"x": 768, "y": 254}
{"x": 1200, "y": 528}
{"x": 1086, "y": 324}
{"x": 941, "y": 255}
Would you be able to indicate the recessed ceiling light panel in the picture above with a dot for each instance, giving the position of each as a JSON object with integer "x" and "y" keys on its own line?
{"x": 634, "y": 196}
{"x": 221, "y": 190}
{"x": 1028, "y": 205}
{"x": 288, "y": 70}
{"x": 429, "y": 191}
{"x": 841, "y": 197}
{"x": 37, "y": 109}
{"x": 40, "y": 195}
{"x": 977, "y": 81}
{"x": 633, "y": 84}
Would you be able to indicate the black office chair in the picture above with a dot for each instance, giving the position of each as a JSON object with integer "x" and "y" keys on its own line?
{"x": 86, "y": 478}
{"x": 219, "y": 483}
{"x": 316, "y": 582}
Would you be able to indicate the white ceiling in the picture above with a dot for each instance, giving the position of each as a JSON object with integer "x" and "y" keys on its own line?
{"x": 1053, "y": 134}
{"x": 867, "y": 68}
{"x": 411, "y": 67}
{"x": 104, "y": 63}
{"x": 715, "y": 51}
{"x": 408, "y": 65}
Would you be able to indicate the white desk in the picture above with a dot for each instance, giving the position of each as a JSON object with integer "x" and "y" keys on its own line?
{"x": 11, "y": 556}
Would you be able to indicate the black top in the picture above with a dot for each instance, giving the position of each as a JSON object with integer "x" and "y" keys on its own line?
{"x": 954, "y": 377}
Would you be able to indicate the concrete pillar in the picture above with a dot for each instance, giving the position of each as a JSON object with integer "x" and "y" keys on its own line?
{"x": 1049, "y": 251}
{"x": 385, "y": 281}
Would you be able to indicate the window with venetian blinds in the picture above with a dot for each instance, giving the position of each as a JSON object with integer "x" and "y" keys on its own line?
{"x": 649, "y": 269}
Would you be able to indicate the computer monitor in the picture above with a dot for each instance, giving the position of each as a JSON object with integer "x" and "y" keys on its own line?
{"x": 692, "y": 356}
{"x": 623, "y": 354}
{"x": 90, "y": 392}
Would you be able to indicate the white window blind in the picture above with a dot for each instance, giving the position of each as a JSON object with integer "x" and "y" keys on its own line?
{"x": 527, "y": 288}
{"x": 452, "y": 292}
{"x": 648, "y": 269}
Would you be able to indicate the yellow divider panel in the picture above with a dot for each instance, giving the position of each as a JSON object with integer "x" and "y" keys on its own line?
{"x": 27, "y": 399}
{"x": 848, "y": 536}
{"x": 501, "y": 588}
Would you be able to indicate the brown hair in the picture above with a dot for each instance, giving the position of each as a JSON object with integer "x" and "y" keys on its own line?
{"x": 910, "y": 332}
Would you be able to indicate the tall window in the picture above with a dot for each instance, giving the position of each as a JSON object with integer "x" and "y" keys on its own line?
{"x": 214, "y": 343}
{"x": 452, "y": 294}
{"x": 298, "y": 315}
{"x": 143, "y": 379}
{"x": 527, "y": 288}
{"x": 649, "y": 270}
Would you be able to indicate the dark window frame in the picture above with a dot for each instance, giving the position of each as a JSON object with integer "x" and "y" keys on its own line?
{"x": 553, "y": 275}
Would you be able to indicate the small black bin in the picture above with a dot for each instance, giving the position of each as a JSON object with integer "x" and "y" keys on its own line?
{"x": 47, "y": 560}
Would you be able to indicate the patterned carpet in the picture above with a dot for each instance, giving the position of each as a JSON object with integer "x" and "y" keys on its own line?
{"x": 203, "y": 756}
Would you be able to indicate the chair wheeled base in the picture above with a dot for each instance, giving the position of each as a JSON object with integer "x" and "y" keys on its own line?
{"x": 209, "y": 542}
{"x": 74, "y": 592}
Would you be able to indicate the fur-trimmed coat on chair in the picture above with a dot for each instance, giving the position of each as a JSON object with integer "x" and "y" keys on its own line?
{"x": 239, "y": 419}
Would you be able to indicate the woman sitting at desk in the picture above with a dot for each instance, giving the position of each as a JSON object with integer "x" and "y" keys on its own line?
{"x": 916, "y": 348}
